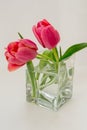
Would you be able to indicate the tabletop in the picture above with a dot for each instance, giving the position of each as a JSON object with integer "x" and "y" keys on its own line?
{"x": 17, "y": 114}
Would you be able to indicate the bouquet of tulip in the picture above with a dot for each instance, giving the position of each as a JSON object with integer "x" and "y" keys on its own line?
{"x": 48, "y": 75}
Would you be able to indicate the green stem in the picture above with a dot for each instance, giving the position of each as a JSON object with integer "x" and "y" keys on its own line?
{"x": 31, "y": 72}
{"x": 56, "y": 54}
{"x": 42, "y": 56}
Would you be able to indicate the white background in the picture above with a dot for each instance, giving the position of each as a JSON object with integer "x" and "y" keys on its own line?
{"x": 70, "y": 18}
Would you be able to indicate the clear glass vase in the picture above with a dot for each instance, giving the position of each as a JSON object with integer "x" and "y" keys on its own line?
{"x": 52, "y": 83}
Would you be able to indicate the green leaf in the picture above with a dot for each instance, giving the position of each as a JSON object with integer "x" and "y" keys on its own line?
{"x": 20, "y": 35}
{"x": 49, "y": 54}
{"x": 60, "y": 51}
{"x": 46, "y": 58}
{"x": 72, "y": 50}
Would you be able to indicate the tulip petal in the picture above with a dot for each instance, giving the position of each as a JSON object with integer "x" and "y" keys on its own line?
{"x": 7, "y": 55}
{"x": 13, "y": 47}
{"x": 25, "y": 54}
{"x": 50, "y": 37}
{"x": 27, "y": 43}
{"x": 15, "y": 61}
{"x": 44, "y": 23}
{"x": 37, "y": 33}
{"x": 11, "y": 59}
{"x": 13, "y": 67}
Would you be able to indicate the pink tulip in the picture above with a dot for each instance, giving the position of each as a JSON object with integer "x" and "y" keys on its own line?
{"x": 19, "y": 53}
{"x": 46, "y": 34}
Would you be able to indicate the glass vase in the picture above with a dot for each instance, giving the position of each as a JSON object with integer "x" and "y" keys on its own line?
{"x": 50, "y": 84}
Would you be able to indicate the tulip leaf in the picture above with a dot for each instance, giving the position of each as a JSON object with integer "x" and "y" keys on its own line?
{"x": 72, "y": 50}
{"x": 46, "y": 57}
{"x": 20, "y": 35}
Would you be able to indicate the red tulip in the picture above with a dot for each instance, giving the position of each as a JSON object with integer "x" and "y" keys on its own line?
{"x": 19, "y": 53}
{"x": 46, "y": 34}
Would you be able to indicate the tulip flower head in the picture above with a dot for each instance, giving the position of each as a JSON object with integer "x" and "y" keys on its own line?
{"x": 19, "y": 53}
{"x": 46, "y": 34}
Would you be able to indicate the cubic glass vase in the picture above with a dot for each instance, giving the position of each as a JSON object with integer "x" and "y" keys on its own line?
{"x": 50, "y": 84}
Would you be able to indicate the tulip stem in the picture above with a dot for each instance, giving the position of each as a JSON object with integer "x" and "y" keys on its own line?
{"x": 56, "y": 54}
{"x": 42, "y": 56}
{"x": 31, "y": 73}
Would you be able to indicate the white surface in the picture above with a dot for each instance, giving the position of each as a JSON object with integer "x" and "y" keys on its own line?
{"x": 70, "y": 18}
{"x": 17, "y": 114}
